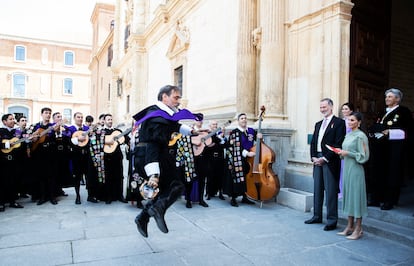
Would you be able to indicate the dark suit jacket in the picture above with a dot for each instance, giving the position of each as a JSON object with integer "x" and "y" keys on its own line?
{"x": 334, "y": 136}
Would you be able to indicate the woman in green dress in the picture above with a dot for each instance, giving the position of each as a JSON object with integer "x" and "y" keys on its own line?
{"x": 355, "y": 152}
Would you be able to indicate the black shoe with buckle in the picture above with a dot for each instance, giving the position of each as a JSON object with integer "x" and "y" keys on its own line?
{"x": 158, "y": 214}
{"x": 188, "y": 204}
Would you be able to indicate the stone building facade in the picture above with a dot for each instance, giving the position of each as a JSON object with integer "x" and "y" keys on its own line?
{"x": 42, "y": 73}
{"x": 235, "y": 56}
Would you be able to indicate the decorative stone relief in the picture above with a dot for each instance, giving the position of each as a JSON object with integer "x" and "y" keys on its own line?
{"x": 180, "y": 41}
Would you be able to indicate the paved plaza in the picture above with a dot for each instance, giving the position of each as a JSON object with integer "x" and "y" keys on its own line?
{"x": 102, "y": 234}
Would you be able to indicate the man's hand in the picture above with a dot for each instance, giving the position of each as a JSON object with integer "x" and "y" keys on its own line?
{"x": 250, "y": 154}
{"x": 318, "y": 161}
{"x": 153, "y": 181}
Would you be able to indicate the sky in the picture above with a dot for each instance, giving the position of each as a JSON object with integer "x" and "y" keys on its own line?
{"x": 59, "y": 20}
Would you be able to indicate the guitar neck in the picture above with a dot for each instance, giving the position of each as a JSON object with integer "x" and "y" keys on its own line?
{"x": 123, "y": 133}
{"x": 212, "y": 133}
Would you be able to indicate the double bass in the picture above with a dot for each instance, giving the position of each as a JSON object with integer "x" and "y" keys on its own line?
{"x": 262, "y": 183}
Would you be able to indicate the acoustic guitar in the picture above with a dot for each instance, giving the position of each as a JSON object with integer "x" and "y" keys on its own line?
{"x": 85, "y": 134}
{"x": 203, "y": 139}
{"x": 174, "y": 137}
{"x": 40, "y": 133}
{"x": 117, "y": 138}
{"x": 14, "y": 143}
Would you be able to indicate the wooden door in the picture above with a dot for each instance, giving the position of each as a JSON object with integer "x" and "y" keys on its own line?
{"x": 369, "y": 57}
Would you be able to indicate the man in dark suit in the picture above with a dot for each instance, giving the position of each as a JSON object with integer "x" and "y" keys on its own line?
{"x": 329, "y": 132}
{"x": 388, "y": 141}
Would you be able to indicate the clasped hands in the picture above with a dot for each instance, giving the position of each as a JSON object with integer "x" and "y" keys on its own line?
{"x": 318, "y": 161}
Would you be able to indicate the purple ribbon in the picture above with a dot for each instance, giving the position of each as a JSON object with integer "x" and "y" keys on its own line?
{"x": 180, "y": 115}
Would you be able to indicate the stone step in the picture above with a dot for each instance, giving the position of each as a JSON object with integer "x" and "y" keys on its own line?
{"x": 387, "y": 230}
{"x": 396, "y": 224}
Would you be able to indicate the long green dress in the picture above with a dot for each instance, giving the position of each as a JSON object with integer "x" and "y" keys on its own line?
{"x": 354, "y": 191}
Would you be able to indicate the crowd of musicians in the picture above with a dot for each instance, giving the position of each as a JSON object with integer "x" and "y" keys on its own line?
{"x": 41, "y": 159}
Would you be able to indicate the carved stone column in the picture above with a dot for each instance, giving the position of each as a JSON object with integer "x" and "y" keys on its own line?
{"x": 246, "y": 56}
{"x": 139, "y": 16}
{"x": 272, "y": 59}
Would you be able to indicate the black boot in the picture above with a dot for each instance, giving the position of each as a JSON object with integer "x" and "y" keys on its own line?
{"x": 203, "y": 203}
{"x": 142, "y": 223}
{"x": 233, "y": 202}
{"x": 158, "y": 211}
{"x": 188, "y": 204}
{"x": 78, "y": 200}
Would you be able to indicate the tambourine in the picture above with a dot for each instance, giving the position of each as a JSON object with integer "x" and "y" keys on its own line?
{"x": 148, "y": 192}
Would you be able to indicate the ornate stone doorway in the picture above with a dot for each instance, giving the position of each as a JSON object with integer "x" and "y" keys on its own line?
{"x": 382, "y": 56}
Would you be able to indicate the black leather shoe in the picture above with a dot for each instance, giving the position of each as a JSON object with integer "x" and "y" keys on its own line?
{"x": 329, "y": 227}
{"x": 234, "y": 203}
{"x": 53, "y": 201}
{"x": 188, "y": 204}
{"x": 247, "y": 201}
{"x": 387, "y": 206}
{"x": 142, "y": 224}
{"x": 158, "y": 214}
{"x": 208, "y": 197}
{"x": 92, "y": 199}
{"x": 108, "y": 202}
{"x": 77, "y": 201}
{"x": 15, "y": 205}
{"x": 123, "y": 200}
{"x": 2, "y": 208}
{"x": 40, "y": 202}
{"x": 313, "y": 220}
{"x": 221, "y": 197}
{"x": 203, "y": 203}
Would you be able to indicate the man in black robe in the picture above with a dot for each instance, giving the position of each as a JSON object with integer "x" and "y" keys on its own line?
{"x": 155, "y": 163}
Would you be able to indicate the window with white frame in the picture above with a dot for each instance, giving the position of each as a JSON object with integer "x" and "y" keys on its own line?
{"x": 20, "y": 53}
{"x": 69, "y": 58}
{"x": 67, "y": 115}
{"x": 19, "y": 85}
{"x": 67, "y": 86}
